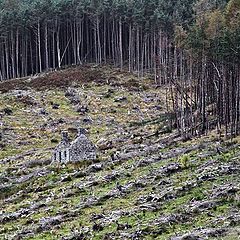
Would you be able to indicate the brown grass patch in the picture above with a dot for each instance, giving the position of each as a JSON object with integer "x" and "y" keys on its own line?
{"x": 57, "y": 79}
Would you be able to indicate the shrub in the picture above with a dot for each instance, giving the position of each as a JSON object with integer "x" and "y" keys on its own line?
{"x": 185, "y": 161}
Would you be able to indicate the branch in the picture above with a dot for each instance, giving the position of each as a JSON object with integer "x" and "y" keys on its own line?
{"x": 65, "y": 50}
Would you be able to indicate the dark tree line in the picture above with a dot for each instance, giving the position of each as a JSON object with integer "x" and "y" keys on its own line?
{"x": 188, "y": 45}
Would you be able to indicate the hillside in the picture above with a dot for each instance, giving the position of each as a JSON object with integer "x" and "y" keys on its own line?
{"x": 146, "y": 183}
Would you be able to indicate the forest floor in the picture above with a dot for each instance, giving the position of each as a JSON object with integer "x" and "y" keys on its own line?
{"x": 155, "y": 187}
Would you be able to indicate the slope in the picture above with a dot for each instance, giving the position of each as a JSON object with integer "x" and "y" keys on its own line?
{"x": 146, "y": 182}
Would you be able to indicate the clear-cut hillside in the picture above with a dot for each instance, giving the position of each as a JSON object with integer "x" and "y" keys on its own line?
{"x": 145, "y": 184}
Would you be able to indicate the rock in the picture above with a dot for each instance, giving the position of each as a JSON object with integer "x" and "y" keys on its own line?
{"x": 206, "y": 176}
{"x": 47, "y": 223}
{"x": 110, "y": 121}
{"x": 157, "y": 107}
{"x": 6, "y": 217}
{"x": 61, "y": 120}
{"x": 19, "y": 93}
{"x": 104, "y": 144}
{"x": 38, "y": 206}
{"x": 202, "y": 234}
{"x": 3, "y": 180}
{"x": 114, "y": 156}
{"x": 171, "y": 168}
{"x": 234, "y": 219}
{"x": 96, "y": 167}
{"x": 121, "y": 227}
{"x": 165, "y": 195}
{"x": 230, "y": 168}
{"x": 95, "y": 216}
{"x": 55, "y": 106}
{"x": 82, "y": 109}
{"x": 162, "y": 182}
{"x": 153, "y": 198}
{"x": 25, "y": 233}
{"x": 148, "y": 161}
{"x": 71, "y": 92}
{"x": 75, "y": 100}
{"x": 25, "y": 178}
{"x": 188, "y": 236}
{"x": 225, "y": 191}
{"x": 75, "y": 236}
{"x": 119, "y": 187}
{"x": 216, "y": 233}
{"x": 67, "y": 179}
{"x": 43, "y": 111}
{"x": 111, "y": 177}
{"x": 73, "y": 96}
{"x": 120, "y": 99}
{"x": 97, "y": 227}
{"x": 112, "y": 110}
{"x": 87, "y": 120}
{"x": 139, "y": 185}
{"x": 199, "y": 206}
{"x": 7, "y": 111}
{"x": 79, "y": 174}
